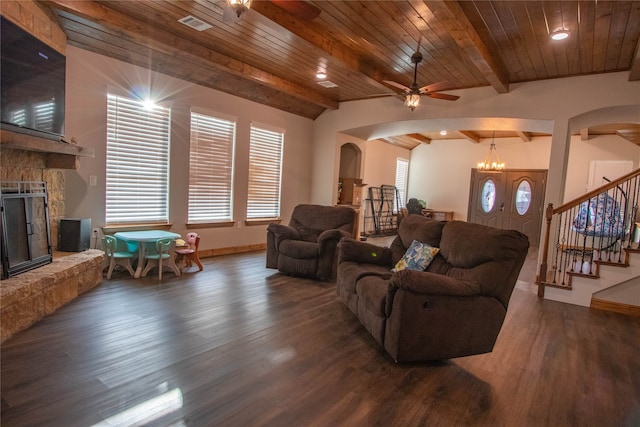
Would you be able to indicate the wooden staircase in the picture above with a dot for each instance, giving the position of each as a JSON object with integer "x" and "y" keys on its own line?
{"x": 587, "y": 236}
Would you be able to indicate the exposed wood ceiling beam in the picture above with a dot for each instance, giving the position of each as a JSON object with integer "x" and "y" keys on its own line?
{"x": 420, "y": 138}
{"x": 187, "y": 49}
{"x": 525, "y": 136}
{"x": 471, "y": 136}
{"x": 452, "y": 17}
{"x": 629, "y": 135}
{"x": 318, "y": 37}
{"x": 634, "y": 72}
{"x": 584, "y": 134}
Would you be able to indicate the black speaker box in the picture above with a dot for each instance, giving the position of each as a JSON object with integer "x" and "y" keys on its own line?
{"x": 74, "y": 234}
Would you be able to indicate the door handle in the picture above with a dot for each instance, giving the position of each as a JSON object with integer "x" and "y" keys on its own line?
{"x": 502, "y": 207}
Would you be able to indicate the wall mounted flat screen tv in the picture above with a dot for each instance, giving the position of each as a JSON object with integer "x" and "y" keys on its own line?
{"x": 33, "y": 84}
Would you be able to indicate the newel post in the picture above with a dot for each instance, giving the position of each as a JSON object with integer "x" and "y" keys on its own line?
{"x": 542, "y": 275}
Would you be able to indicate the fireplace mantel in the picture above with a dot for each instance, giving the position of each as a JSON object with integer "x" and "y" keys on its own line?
{"x": 61, "y": 155}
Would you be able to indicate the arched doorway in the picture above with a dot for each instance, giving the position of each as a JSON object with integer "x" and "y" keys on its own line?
{"x": 349, "y": 181}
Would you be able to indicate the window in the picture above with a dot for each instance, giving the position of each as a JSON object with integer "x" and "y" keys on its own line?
{"x": 402, "y": 176}
{"x": 211, "y": 168}
{"x": 137, "y": 162}
{"x": 523, "y": 197}
{"x": 488, "y": 196}
{"x": 265, "y": 170}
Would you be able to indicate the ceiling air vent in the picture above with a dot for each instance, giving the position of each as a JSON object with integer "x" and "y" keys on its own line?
{"x": 328, "y": 84}
{"x": 195, "y": 23}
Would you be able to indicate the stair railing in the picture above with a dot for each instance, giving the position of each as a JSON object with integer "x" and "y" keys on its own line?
{"x": 596, "y": 228}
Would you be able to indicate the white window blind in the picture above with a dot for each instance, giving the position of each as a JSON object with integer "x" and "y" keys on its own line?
{"x": 265, "y": 170}
{"x": 137, "y": 182}
{"x": 211, "y": 168}
{"x": 402, "y": 176}
{"x": 44, "y": 115}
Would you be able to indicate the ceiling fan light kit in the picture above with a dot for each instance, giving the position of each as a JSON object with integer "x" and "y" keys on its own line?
{"x": 239, "y": 6}
{"x": 412, "y": 100}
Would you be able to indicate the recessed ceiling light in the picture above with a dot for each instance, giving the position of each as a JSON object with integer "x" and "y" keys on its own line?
{"x": 321, "y": 75}
{"x": 560, "y": 34}
{"x": 443, "y": 132}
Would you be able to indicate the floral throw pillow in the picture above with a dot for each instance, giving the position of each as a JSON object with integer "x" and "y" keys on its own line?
{"x": 418, "y": 257}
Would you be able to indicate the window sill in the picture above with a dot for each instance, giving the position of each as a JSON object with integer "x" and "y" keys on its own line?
{"x": 110, "y": 229}
{"x": 221, "y": 224}
{"x": 250, "y": 222}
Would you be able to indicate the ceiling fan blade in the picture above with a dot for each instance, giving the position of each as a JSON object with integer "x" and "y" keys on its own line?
{"x": 442, "y": 96}
{"x": 382, "y": 95}
{"x": 398, "y": 85}
{"x": 435, "y": 87}
{"x": 299, "y": 8}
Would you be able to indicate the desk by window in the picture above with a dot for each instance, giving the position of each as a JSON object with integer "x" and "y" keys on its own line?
{"x": 142, "y": 237}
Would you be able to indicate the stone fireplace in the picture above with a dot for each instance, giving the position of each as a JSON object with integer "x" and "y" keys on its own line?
{"x": 31, "y": 295}
{"x": 26, "y": 241}
{"x": 21, "y": 165}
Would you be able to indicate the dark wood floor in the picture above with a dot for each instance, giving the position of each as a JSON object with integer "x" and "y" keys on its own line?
{"x": 240, "y": 345}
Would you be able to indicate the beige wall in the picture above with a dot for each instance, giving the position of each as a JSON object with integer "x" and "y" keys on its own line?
{"x": 380, "y": 163}
{"x": 602, "y": 147}
{"x": 551, "y": 106}
{"x": 90, "y": 76}
{"x": 440, "y": 172}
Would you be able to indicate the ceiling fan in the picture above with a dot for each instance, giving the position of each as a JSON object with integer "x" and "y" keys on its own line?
{"x": 414, "y": 92}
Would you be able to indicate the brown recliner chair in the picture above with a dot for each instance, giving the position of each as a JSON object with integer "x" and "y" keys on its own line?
{"x": 307, "y": 246}
{"x": 454, "y": 308}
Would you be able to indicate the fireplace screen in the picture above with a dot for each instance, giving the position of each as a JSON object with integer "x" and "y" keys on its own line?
{"x": 24, "y": 230}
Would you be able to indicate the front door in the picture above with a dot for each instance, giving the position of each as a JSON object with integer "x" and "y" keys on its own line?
{"x": 509, "y": 199}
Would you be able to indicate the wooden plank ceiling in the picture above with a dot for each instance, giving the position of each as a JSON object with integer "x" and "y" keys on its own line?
{"x": 272, "y": 52}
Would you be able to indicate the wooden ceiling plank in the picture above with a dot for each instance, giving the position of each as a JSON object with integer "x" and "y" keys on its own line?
{"x": 586, "y": 34}
{"x": 629, "y": 51}
{"x": 620, "y": 15}
{"x": 450, "y": 14}
{"x": 602, "y": 26}
{"x": 177, "y": 67}
{"x": 185, "y": 48}
{"x": 316, "y": 36}
{"x": 436, "y": 46}
{"x": 507, "y": 14}
{"x": 455, "y": 61}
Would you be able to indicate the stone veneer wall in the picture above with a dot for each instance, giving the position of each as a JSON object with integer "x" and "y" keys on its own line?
{"x": 19, "y": 165}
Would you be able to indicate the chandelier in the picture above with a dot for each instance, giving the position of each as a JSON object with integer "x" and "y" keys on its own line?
{"x": 492, "y": 161}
